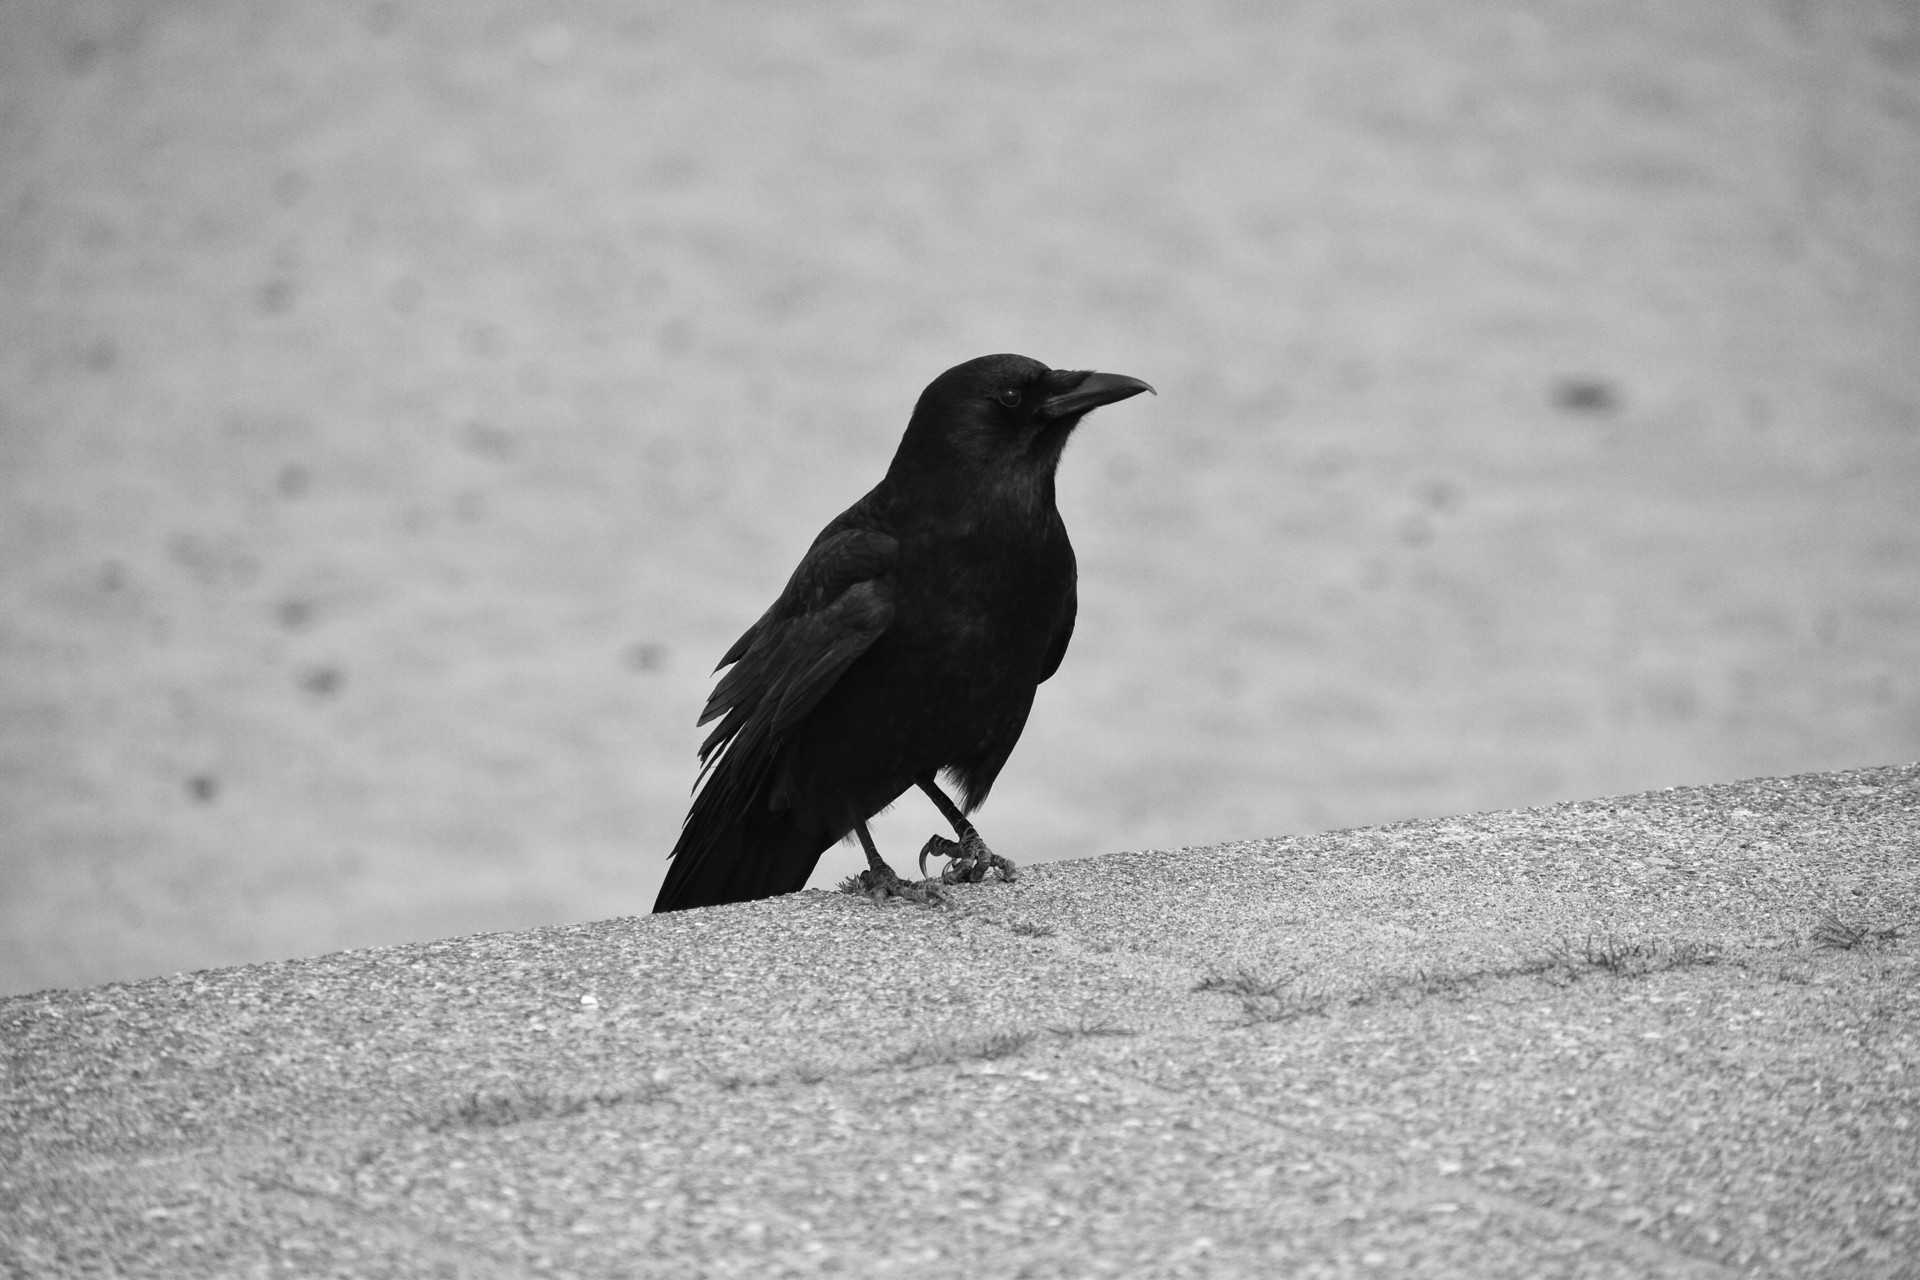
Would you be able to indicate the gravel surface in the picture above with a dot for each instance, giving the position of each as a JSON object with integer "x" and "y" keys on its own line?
{"x": 404, "y": 402}
{"x": 1671, "y": 1034}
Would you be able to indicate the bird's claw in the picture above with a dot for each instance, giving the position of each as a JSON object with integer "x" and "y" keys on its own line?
{"x": 969, "y": 860}
{"x": 880, "y": 888}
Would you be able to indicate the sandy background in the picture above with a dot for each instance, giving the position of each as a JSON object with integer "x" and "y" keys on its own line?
{"x": 403, "y": 405}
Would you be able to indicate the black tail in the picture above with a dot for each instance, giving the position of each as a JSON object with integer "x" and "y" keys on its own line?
{"x": 737, "y": 857}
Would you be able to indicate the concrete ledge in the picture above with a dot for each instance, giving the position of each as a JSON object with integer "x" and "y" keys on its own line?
{"x": 1668, "y": 1034}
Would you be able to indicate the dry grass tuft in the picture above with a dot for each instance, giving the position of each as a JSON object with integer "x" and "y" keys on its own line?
{"x": 949, "y": 1050}
{"x": 1833, "y": 933}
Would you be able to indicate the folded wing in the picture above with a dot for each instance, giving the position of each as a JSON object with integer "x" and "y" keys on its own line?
{"x": 835, "y": 606}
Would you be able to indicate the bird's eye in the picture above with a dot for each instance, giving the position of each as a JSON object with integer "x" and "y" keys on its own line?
{"x": 1008, "y": 396}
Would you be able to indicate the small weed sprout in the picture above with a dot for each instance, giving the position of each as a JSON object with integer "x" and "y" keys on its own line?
{"x": 947, "y": 1051}
{"x": 1441, "y": 982}
{"x": 1087, "y": 1028}
{"x": 1003, "y": 1044}
{"x": 1618, "y": 955}
{"x": 1624, "y": 957}
{"x": 1262, "y": 999}
{"x": 1689, "y": 953}
{"x": 1246, "y": 984}
{"x": 1833, "y": 933}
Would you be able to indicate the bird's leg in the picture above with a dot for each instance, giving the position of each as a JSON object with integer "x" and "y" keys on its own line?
{"x": 879, "y": 882}
{"x": 971, "y": 859}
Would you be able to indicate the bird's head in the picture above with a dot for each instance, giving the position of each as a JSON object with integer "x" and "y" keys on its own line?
{"x": 1007, "y": 415}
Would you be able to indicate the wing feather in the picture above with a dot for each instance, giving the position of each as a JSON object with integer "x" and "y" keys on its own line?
{"x": 836, "y": 604}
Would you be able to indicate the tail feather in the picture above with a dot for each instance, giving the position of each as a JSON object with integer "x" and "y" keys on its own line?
{"x": 739, "y": 857}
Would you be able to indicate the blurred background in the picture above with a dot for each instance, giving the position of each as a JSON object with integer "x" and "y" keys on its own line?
{"x": 403, "y": 404}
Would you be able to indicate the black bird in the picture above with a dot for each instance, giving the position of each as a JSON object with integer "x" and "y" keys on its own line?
{"x": 909, "y": 641}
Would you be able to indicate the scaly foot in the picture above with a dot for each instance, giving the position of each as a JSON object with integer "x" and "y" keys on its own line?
{"x": 971, "y": 860}
{"x": 881, "y": 885}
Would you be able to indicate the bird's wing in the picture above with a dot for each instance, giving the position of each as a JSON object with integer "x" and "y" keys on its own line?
{"x": 836, "y": 605}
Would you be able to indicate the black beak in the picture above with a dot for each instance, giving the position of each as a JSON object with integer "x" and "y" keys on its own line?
{"x": 1090, "y": 392}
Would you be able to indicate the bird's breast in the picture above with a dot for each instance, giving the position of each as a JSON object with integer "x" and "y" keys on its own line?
{"x": 986, "y": 602}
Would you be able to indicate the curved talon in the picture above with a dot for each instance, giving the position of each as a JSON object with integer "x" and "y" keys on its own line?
{"x": 938, "y": 846}
{"x": 969, "y": 860}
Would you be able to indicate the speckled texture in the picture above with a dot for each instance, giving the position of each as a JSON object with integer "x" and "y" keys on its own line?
{"x": 1601, "y": 1039}
{"x": 404, "y": 403}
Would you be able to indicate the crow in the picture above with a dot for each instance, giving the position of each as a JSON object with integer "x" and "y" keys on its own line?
{"x": 908, "y": 643}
